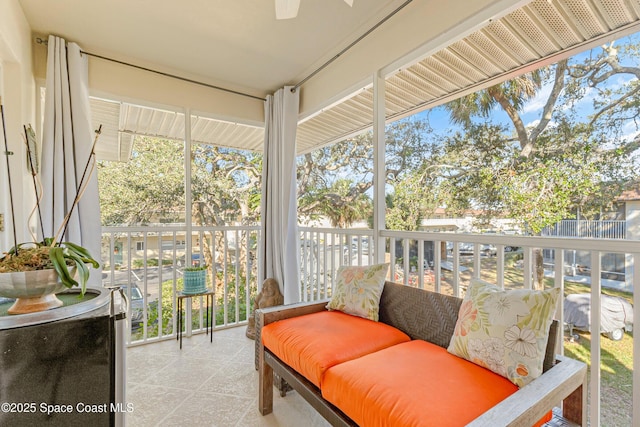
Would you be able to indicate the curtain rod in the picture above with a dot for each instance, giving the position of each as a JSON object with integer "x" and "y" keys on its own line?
{"x": 356, "y": 41}
{"x": 162, "y": 73}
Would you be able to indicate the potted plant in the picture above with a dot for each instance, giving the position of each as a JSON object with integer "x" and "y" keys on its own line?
{"x": 65, "y": 258}
{"x": 33, "y": 272}
{"x": 195, "y": 279}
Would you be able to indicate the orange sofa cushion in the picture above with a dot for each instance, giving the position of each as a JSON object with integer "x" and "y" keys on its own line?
{"x": 413, "y": 384}
{"x": 313, "y": 343}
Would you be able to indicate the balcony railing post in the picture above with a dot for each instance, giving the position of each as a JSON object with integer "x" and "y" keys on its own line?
{"x": 635, "y": 258}
{"x": 559, "y": 283}
{"x": 379, "y": 175}
{"x": 456, "y": 270}
{"x": 594, "y": 386}
{"x": 437, "y": 263}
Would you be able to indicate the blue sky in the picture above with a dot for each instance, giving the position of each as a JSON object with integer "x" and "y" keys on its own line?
{"x": 530, "y": 114}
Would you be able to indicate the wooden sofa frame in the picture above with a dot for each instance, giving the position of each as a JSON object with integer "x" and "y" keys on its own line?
{"x": 431, "y": 317}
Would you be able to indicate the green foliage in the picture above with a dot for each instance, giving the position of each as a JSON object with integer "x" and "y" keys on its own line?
{"x": 151, "y": 262}
{"x": 233, "y": 311}
{"x": 225, "y": 184}
{"x": 551, "y": 169}
{"x": 150, "y": 183}
{"x": 404, "y": 209}
{"x": 341, "y": 203}
{"x": 139, "y": 263}
{"x": 413, "y": 262}
{"x": 335, "y": 181}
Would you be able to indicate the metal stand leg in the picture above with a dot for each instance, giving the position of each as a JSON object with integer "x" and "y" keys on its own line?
{"x": 180, "y": 321}
{"x": 206, "y": 312}
{"x": 181, "y": 315}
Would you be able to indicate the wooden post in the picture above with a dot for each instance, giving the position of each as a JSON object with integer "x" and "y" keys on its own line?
{"x": 265, "y": 403}
{"x": 574, "y": 407}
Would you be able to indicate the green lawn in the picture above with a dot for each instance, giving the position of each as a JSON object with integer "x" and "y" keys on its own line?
{"x": 616, "y": 365}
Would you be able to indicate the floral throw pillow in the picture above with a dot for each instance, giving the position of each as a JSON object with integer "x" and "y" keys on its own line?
{"x": 505, "y": 331}
{"x": 357, "y": 290}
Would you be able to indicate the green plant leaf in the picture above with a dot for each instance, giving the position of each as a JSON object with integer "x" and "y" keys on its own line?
{"x": 57, "y": 256}
{"x": 82, "y": 253}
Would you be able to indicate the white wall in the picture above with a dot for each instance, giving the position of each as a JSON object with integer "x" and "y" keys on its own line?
{"x": 632, "y": 215}
{"x": 17, "y": 90}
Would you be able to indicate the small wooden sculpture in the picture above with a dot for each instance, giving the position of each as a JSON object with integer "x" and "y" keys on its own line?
{"x": 269, "y": 296}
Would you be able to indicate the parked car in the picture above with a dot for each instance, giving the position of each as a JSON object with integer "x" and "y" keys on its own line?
{"x": 488, "y": 250}
{"x": 469, "y": 249}
{"x": 616, "y": 315}
{"x": 465, "y": 249}
{"x": 136, "y": 306}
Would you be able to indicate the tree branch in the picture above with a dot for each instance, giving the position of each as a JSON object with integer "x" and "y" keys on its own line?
{"x": 558, "y": 85}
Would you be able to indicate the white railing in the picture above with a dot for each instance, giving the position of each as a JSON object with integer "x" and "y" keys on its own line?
{"x": 443, "y": 262}
{"x": 149, "y": 262}
{"x": 594, "y": 229}
{"x": 323, "y": 251}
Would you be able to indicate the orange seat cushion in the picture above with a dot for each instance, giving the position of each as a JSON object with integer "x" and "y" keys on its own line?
{"x": 313, "y": 343}
{"x": 413, "y": 384}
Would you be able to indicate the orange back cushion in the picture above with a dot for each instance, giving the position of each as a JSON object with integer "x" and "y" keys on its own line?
{"x": 313, "y": 343}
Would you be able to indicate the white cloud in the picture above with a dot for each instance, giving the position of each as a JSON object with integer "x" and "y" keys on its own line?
{"x": 630, "y": 131}
{"x": 534, "y": 123}
{"x": 536, "y": 103}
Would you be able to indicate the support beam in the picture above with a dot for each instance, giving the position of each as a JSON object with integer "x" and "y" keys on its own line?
{"x": 188, "y": 207}
{"x": 379, "y": 166}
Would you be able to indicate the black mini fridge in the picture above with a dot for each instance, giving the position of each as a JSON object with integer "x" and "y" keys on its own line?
{"x": 65, "y": 366}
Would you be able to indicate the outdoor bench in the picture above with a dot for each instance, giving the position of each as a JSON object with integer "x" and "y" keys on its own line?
{"x": 397, "y": 371}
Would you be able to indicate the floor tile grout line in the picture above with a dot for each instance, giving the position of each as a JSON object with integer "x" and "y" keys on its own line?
{"x": 246, "y": 412}
{"x": 160, "y": 424}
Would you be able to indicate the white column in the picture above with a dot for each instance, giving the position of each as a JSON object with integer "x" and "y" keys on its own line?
{"x": 379, "y": 166}
{"x": 188, "y": 207}
{"x": 636, "y": 346}
{"x": 632, "y": 216}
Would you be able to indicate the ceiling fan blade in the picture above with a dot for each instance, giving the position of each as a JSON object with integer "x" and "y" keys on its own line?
{"x": 287, "y": 9}
{"x": 349, "y": 2}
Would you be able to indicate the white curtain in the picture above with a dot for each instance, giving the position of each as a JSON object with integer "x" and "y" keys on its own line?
{"x": 280, "y": 239}
{"x": 67, "y": 140}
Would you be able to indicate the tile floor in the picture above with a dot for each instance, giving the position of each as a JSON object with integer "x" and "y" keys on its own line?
{"x": 205, "y": 384}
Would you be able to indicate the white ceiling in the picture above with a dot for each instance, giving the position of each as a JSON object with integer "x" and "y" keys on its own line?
{"x": 221, "y": 41}
{"x": 216, "y": 41}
